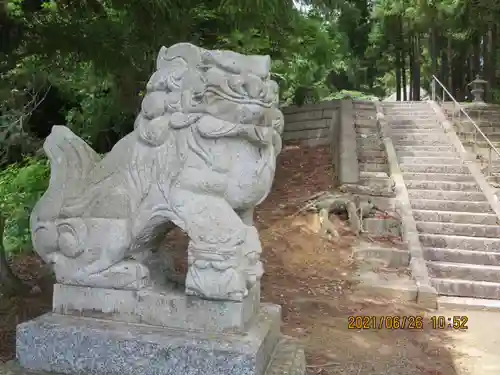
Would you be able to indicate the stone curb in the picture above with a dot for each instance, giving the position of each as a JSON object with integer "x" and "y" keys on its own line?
{"x": 347, "y": 145}
{"x": 426, "y": 293}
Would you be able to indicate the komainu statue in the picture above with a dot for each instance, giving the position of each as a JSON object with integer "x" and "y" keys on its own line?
{"x": 202, "y": 155}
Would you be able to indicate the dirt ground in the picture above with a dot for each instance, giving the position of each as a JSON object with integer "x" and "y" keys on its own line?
{"x": 310, "y": 278}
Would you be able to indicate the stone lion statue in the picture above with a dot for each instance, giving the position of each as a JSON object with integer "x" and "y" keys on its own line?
{"x": 202, "y": 155}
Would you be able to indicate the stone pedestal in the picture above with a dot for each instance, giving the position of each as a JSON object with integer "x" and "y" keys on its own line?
{"x": 157, "y": 332}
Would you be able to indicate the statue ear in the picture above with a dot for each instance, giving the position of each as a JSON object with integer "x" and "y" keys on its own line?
{"x": 162, "y": 54}
{"x": 186, "y": 51}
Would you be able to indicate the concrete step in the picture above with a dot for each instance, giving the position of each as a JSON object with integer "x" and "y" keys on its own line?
{"x": 455, "y": 217}
{"x": 382, "y": 182}
{"x": 437, "y": 168}
{"x": 421, "y": 138}
{"x": 411, "y": 109}
{"x": 409, "y": 123}
{"x": 460, "y": 242}
{"x": 406, "y": 103}
{"x": 430, "y": 154}
{"x": 366, "y": 130}
{"x": 486, "y": 129}
{"x": 437, "y": 254}
{"x": 365, "y": 121}
{"x": 453, "y": 205}
{"x": 416, "y": 142}
{"x": 439, "y": 177}
{"x": 365, "y": 174}
{"x": 371, "y": 159}
{"x": 365, "y": 114}
{"x": 442, "y": 185}
{"x": 395, "y": 131}
{"x": 373, "y": 167}
{"x": 464, "y": 271}
{"x": 468, "y": 303}
{"x": 405, "y": 111}
{"x": 412, "y": 127}
{"x": 371, "y": 153}
{"x": 415, "y": 117}
{"x": 444, "y": 148}
{"x": 480, "y": 142}
{"x": 363, "y": 111}
{"x": 459, "y": 229}
{"x": 369, "y": 142}
{"x": 429, "y": 160}
{"x": 492, "y": 136}
{"x": 371, "y": 148}
{"x": 467, "y": 288}
{"x": 446, "y": 195}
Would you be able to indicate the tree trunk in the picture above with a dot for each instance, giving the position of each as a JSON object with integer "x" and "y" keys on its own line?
{"x": 403, "y": 59}
{"x": 433, "y": 50}
{"x": 403, "y": 75}
{"x": 398, "y": 74}
{"x": 476, "y": 57}
{"x": 416, "y": 70}
{"x": 460, "y": 74}
{"x": 411, "y": 63}
{"x": 491, "y": 68}
{"x": 484, "y": 52}
{"x": 449, "y": 59}
{"x": 443, "y": 72}
{"x": 398, "y": 46}
{"x": 10, "y": 284}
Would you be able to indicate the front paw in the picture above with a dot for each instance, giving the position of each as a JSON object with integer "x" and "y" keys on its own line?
{"x": 211, "y": 283}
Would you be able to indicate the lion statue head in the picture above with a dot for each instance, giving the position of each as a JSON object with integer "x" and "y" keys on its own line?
{"x": 191, "y": 82}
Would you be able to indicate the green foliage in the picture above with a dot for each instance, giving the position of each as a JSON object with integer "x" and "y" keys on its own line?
{"x": 104, "y": 53}
{"x": 21, "y": 185}
{"x": 347, "y": 94}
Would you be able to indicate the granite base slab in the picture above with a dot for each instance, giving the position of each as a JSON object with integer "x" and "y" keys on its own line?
{"x": 287, "y": 359}
{"x": 78, "y": 345}
{"x": 163, "y": 306}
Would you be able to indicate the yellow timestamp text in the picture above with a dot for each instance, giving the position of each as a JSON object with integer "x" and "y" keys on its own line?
{"x": 458, "y": 322}
{"x": 360, "y": 322}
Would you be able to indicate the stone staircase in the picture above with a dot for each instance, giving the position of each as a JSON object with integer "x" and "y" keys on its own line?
{"x": 373, "y": 168}
{"x": 458, "y": 230}
{"x": 487, "y": 118}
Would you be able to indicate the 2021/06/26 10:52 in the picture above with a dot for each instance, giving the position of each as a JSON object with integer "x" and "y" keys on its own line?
{"x": 411, "y": 322}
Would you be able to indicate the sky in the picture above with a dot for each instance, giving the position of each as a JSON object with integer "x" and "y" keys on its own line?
{"x": 300, "y": 6}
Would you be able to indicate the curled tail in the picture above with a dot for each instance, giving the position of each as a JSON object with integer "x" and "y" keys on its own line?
{"x": 71, "y": 159}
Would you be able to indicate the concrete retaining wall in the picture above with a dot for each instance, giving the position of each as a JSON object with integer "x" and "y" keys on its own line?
{"x": 311, "y": 124}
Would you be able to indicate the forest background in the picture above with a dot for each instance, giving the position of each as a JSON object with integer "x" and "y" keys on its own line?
{"x": 85, "y": 63}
